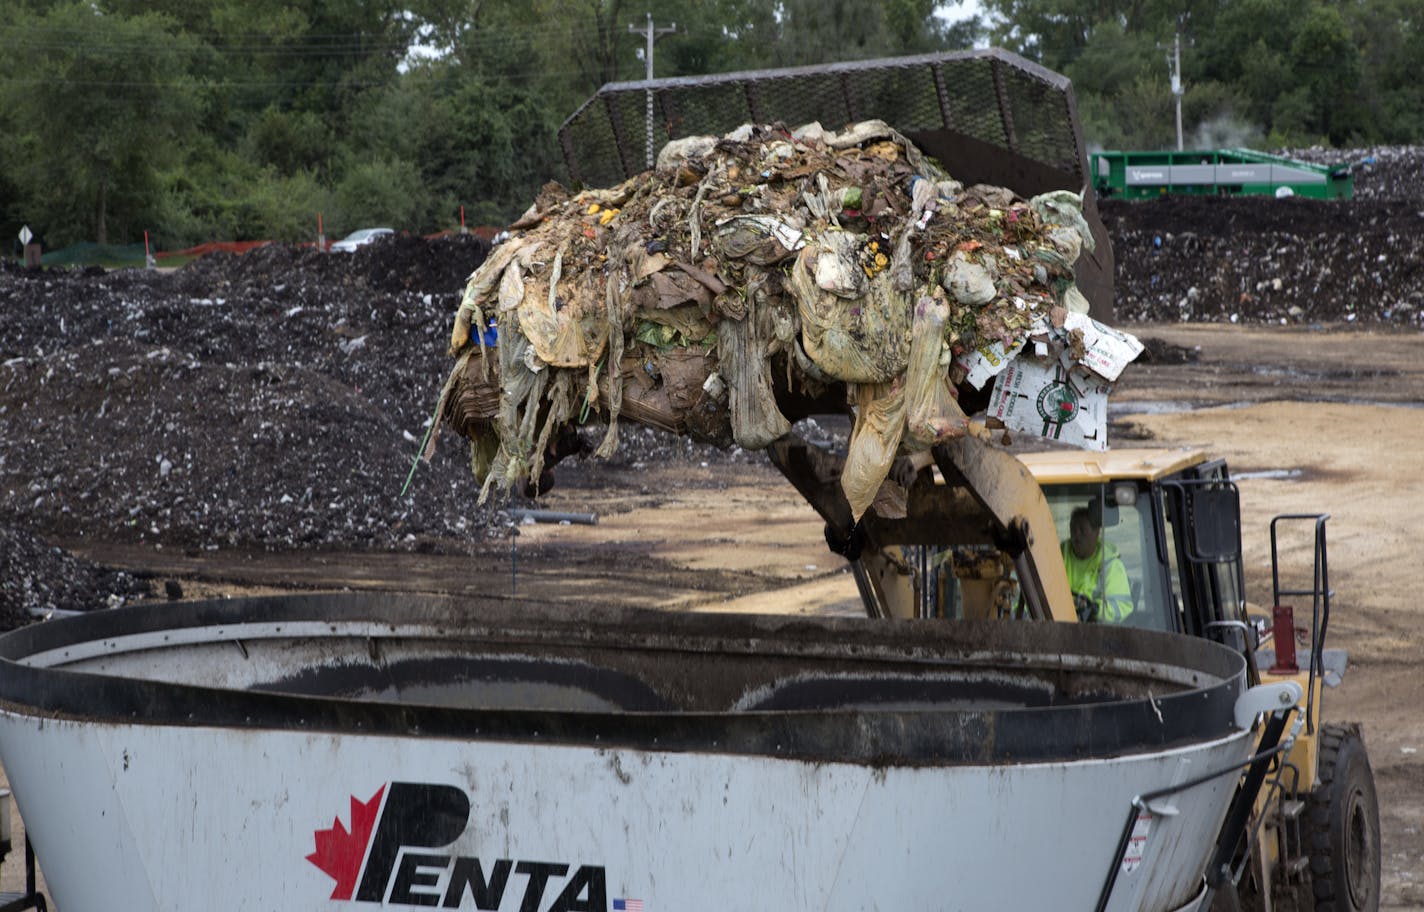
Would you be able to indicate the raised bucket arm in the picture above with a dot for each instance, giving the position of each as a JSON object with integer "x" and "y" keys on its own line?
{"x": 985, "y": 497}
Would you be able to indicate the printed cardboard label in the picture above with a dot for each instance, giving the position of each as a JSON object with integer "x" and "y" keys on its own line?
{"x": 1048, "y": 400}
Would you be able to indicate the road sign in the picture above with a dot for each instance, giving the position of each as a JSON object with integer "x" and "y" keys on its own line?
{"x": 25, "y": 235}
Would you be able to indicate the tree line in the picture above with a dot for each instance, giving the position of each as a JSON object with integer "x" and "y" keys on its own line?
{"x": 240, "y": 119}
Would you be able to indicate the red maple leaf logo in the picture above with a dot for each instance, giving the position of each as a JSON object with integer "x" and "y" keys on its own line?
{"x": 340, "y": 853}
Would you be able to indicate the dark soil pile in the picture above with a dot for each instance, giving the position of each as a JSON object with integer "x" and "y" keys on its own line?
{"x": 276, "y": 400}
{"x": 37, "y": 580}
{"x": 269, "y": 400}
{"x": 1267, "y": 260}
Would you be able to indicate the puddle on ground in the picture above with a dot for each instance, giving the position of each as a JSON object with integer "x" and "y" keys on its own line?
{"x": 1179, "y": 406}
{"x": 1273, "y": 474}
{"x": 1167, "y": 407}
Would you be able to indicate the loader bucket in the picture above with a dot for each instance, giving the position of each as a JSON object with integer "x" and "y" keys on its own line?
{"x": 988, "y": 116}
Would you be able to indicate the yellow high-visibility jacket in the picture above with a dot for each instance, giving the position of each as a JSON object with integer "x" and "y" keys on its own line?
{"x": 1102, "y": 579}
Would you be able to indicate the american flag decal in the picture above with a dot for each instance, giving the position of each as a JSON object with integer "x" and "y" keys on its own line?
{"x": 627, "y": 905}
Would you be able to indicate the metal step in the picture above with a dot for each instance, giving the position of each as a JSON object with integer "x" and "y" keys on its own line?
{"x": 1294, "y": 867}
{"x": 1288, "y": 809}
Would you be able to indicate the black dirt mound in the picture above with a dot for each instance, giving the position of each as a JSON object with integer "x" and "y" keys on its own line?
{"x": 36, "y": 579}
{"x": 271, "y": 400}
{"x": 1266, "y": 260}
{"x": 274, "y": 400}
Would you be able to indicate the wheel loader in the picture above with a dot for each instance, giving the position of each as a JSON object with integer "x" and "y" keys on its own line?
{"x": 972, "y": 531}
{"x": 983, "y": 533}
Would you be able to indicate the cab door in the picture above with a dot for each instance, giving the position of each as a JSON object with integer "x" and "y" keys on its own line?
{"x": 1202, "y": 509}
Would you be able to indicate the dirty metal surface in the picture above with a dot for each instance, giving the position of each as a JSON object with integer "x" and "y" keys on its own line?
{"x": 856, "y": 690}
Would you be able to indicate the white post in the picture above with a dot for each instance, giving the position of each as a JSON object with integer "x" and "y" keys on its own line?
{"x": 650, "y": 33}
{"x": 1177, "y": 82}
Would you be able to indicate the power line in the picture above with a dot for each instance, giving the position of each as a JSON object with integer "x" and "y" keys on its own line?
{"x": 76, "y": 39}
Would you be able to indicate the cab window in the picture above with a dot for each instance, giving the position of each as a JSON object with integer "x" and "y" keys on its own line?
{"x": 1126, "y": 538}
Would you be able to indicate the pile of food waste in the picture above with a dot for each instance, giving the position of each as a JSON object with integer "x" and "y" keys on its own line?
{"x": 751, "y": 279}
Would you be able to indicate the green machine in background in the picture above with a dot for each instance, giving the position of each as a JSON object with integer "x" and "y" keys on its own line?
{"x": 1215, "y": 172}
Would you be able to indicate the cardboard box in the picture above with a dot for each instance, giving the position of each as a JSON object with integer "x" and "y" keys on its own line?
{"x": 1047, "y": 399}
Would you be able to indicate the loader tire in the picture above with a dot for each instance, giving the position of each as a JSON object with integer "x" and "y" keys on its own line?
{"x": 1342, "y": 832}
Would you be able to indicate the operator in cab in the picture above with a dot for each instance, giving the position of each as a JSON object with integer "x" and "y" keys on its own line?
{"x": 1096, "y": 574}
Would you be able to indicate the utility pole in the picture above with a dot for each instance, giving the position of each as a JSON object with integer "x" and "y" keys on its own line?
{"x": 651, "y": 34}
{"x": 1174, "y": 64}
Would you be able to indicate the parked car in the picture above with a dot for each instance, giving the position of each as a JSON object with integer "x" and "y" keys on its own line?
{"x": 360, "y": 238}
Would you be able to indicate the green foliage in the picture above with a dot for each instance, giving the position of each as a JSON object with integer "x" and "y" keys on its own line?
{"x": 381, "y": 191}
{"x": 1113, "y": 62}
{"x": 1391, "y": 55}
{"x": 1327, "y": 67}
{"x": 94, "y": 108}
{"x": 1278, "y": 71}
{"x": 289, "y": 141}
{"x": 224, "y": 196}
{"x": 238, "y": 119}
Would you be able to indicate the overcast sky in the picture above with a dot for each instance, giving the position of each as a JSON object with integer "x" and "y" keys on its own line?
{"x": 962, "y": 10}
{"x": 953, "y": 12}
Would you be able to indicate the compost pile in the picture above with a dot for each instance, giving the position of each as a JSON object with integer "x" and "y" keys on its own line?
{"x": 270, "y": 401}
{"x": 1286, "y": 261}
{"x": 37, "y": 579}
{"x": 823, "y": 265}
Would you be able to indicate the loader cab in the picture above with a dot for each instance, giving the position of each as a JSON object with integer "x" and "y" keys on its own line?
{"x": 1172, "y": 517}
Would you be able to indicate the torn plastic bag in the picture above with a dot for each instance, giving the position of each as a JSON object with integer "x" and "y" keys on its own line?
{"x": 1068, "y": 242}
{"x": 680, "y": 150}
{"x": 741, "y": 350}
{"x": 671, "y": 288}
{"x": 477, "y": 291}
{"x": 1065, "y": 208}
{"x": 707, "y": 279}
{"x": 1074, "y": 300}
{"x": 826, "y": 203}
{"x": 520, "y": 394}
{"x": 837, "y": 264}
{"x": 810, "y": 133}
{"x": 861, "y": 340}
{"x": 932, "y": 412}
{"x": 484, "y": 449}
{"x": 563, "y": 320}
{"x": 992, "y": 196}
{"x": 874, "y": 441}
{"x": 511, "y": 286}
{"x": 867, "y": 133}
{"x": 969, "y": 282}
{"x": 676, "y": 326}
{"x": 643, "y": 264}
{"x": 760, "y": 239}
{"x": 684, "y": 373}
{"x": 685, "y": 390}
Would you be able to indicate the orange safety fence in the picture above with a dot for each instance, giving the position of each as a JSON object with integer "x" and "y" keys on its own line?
{"x": 212, "y": 247}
